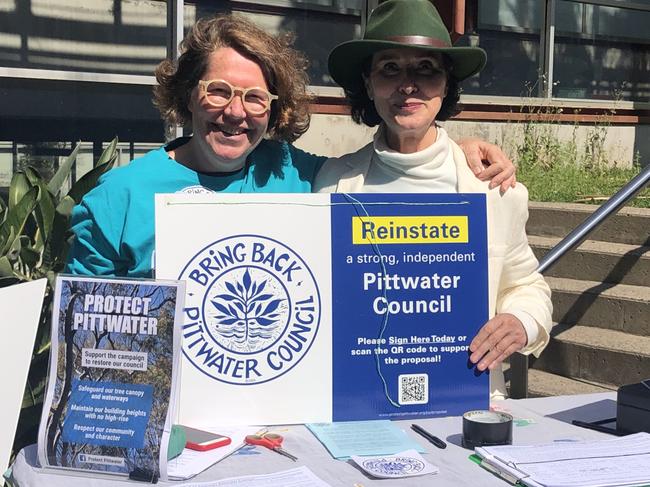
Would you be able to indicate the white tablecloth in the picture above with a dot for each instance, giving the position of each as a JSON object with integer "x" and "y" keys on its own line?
{"x": 549, "y": 420}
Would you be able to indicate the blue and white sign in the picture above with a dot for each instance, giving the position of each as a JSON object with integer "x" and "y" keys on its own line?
{"x": 313, "y": 308}
{"x": 410, "y": 290}
{"x": 108, "y": 413}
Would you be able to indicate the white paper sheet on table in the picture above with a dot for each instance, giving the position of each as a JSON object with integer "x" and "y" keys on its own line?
{"x": 616, "y": 471}
{"x": 296, "y": 477}
{"x": 344, "y": 439}
{"x": 613, "y": 462}
{"x": 190, "y": 462}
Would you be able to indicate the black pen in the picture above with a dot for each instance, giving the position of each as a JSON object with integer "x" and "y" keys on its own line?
{"x": 433, "y": 439}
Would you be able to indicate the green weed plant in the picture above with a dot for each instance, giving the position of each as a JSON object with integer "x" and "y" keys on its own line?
{"x": 557, "y": 169}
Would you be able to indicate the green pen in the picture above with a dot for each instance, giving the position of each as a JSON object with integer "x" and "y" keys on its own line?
{"x": 499, "y": 473}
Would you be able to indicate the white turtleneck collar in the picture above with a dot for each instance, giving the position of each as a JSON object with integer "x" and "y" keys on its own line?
{"x": 431, "y": 170}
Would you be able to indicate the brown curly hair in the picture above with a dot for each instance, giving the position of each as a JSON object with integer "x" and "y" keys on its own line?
{"x": 283, "y": 67}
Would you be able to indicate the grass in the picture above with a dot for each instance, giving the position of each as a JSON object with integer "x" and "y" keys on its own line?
{"x": 557, "y": 169}
{"x": 576, "y": 184}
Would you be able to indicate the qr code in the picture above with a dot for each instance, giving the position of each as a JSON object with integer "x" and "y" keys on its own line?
{"x": 413, "y": 389}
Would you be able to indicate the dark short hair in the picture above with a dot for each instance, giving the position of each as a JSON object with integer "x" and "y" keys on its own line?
{"x": 363, "y": 109}
{"x": 284, "y": 70}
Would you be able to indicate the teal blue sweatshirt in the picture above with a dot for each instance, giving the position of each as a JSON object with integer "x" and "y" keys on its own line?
{"x": 114, "y": 223}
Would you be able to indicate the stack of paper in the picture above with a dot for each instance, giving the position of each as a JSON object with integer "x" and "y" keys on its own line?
{"x": 614, "y": 462}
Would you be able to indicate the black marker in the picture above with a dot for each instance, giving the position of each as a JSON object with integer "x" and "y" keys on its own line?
{"x": 144, "y": 475}
{"x": 433, "y": 439}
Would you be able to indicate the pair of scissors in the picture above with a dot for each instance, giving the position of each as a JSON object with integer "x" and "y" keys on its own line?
{"x": 272, "y": 441}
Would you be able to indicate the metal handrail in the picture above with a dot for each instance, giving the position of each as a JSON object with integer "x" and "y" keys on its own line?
{"x": 582, "y": 231}
{"x": 519, "y": 362}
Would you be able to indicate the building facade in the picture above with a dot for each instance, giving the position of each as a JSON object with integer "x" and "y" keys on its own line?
{"x": 82, "y": 70}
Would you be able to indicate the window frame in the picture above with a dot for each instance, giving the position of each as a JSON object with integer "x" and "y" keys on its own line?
{"x": 175, "y": 30}
{"x": 546, "y": 78}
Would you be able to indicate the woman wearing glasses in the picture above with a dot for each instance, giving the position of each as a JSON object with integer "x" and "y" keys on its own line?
{"x": 244, "y": 93}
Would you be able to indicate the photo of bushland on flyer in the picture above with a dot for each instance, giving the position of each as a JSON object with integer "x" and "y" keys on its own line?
{"x": 112, "y": 379}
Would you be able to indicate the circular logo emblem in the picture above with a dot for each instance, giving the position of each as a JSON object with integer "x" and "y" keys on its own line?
{"x": 196, "y": 189}
{"x": 252, "y": 309}
{"x": 394, "y": 466}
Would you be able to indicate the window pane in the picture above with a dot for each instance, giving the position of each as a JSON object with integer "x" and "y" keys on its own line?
{"x": 522, "y": 15}
{"x": 43, "y": 119}
{"x": 117, "y": 36}
{"x": 32, "y": 109}
{"x": 316, "y": 31}
{"x": 84, "y": 162}
{"x": 341, "y": 6}
{"x": 6, "y": 163}
{"x": 602, "y": 53}
{"x": 45, "y": 157}
{"x": 568, "y": 17}
{"x": 508, "y": 30}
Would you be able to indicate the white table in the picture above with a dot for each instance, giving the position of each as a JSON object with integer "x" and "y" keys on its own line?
{"x": 549, "y": 421}
{"x": 585, "y": 407}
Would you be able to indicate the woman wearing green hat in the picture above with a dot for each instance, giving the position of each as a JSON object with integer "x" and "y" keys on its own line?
{"x": 404, "y": 76}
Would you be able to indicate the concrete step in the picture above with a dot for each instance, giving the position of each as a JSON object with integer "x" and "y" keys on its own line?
{"x": 598, "y": 261}
{"x": 543, "y": 384}
{"x": 615, "y": 307}
{"x": 598, "y": 355}
{"x": 628, "y": 226}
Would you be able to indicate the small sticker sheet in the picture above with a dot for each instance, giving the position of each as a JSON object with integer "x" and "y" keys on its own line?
{"x": 408, "y": 463}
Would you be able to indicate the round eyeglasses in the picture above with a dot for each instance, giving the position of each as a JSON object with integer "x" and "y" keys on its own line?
{"x": 219, "y": 93}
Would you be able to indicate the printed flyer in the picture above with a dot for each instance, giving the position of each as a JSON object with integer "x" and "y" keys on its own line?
{"x": 113, "y": 369}
{"x": 314, "y": 308}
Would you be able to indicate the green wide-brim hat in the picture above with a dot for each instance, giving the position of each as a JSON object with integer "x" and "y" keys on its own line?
{"x": 402, "y": 23}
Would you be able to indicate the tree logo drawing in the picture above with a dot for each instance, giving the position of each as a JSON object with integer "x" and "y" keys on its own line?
{"x": 248, "y": 309}
{"x": 252, "y": 309}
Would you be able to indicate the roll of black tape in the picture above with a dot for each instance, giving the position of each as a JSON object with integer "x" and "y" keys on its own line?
{"x": 486, "y": 428}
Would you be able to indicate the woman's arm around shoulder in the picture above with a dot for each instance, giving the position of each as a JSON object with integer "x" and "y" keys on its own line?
{"x": 306, "y": 163}
{"x": 488, "y": 162}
